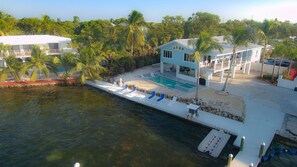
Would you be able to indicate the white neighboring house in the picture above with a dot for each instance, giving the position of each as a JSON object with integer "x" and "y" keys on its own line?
{"x": 22, "y": 45}
{"x": 176, "y": 56}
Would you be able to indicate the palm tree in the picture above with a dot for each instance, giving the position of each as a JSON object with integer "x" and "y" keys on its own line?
{"x": 263, "y": 34}
{"x": 1, "y": 33}
{"x": 240, "y": 36}
{"x": 134, "y": 34}
{"x": 204, "y": 44}
{"x": 279, "y": 49}
{"x": 110, "y": 56}
{"x": 67, "y": 61}
{"x": 283, "y": 51}
{"x": 40, "y": 63}
{"x": 292, "y": 54}
{"x": 5, "y": 50}
{"x": 12, "y": 67}
{"x": 88, "y": 65}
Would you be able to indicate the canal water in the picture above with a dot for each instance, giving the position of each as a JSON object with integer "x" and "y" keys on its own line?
{"x": 58, "y": 126}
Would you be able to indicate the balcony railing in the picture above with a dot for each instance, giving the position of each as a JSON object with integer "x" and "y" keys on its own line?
{"x": 27, "y": 53}
{"x": 22, "y": 53}
{"x": 53, "y": 51}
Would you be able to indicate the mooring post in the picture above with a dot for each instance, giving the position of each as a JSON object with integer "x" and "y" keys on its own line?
{"x": 261, "y": 152}
{"x": 76, "y": 164}
{"x": 230, "y": 157}
{"x": 242, "y": 143}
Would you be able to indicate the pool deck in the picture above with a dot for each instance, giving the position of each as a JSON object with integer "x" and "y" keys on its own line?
{"x": 261, "y": 122}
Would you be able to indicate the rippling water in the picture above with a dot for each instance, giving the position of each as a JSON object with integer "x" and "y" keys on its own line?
{"x": 58, "y": 126}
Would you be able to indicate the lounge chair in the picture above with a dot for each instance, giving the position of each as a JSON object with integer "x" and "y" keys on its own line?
{"x": 152, "y": 95}
{"x": 172, "y": 101}
{"x": 161, "y": 97}
{"x": 124, "y": 88}
{"x": 133, "y": 89}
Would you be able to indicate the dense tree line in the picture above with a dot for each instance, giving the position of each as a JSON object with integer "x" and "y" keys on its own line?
{"x": 124, "y": 44}
{"x": 111, "y": 32}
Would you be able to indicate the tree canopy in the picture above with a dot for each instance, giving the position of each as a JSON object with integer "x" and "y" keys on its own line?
{"x": 117, "y": 39}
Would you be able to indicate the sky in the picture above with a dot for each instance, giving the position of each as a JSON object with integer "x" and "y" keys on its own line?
{"x": 153, "y": 10}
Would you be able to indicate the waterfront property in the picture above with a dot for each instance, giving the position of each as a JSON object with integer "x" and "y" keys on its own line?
{"x": 254, "y": 129}
{"x": 176, "y": 56}
{"x": 21, "y": 45}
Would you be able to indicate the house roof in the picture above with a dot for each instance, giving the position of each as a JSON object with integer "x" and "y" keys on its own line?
{"x": 228, "y": 49}
{"x": 32, "y": 39}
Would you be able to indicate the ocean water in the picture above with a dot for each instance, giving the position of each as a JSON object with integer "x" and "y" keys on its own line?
{"x": 58, "y": 126}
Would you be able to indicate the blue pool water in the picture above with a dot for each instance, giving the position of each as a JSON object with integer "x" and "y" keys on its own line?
{"x": 171, "y": 83}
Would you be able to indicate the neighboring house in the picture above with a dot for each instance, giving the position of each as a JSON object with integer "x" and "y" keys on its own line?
{"x": 177, "y": 56}
{"x": 22, "y": 44}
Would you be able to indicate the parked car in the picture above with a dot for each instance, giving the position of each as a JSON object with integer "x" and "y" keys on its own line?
{"x": 285, "y": 62}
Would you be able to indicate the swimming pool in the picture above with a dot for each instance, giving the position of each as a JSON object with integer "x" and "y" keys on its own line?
{"x": 186, "y": 87}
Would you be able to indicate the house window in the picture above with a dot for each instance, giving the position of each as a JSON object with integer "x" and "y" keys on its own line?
{"x": 188, "y": 57}
{"x": 167, "y": 54}
{"x": 27, "y": 47}
{"x": 178, "y": 48}
{"x": 16, "y": 48}
{"x": 53, "y": 46}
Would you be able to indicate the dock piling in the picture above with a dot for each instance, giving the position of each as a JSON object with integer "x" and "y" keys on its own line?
{"x": 261, "y": 152}
{"x": 230, "y": 157}
{"x": 76, "y": 164}
{"x": 242, "y": 143}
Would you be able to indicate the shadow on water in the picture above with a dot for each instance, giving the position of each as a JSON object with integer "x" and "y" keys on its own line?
{"x": 58, "y": 126}
{"x": 285, "y": 159}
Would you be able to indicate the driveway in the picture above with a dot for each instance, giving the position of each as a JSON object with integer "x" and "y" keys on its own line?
{"x": 252, "y": 89}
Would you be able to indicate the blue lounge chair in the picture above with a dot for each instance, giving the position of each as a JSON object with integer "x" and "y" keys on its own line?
{"x": 152, "y": 95}
{"x": 133, "y": 90}
{"x": 124, "y": 88}
{"x": 161, "y": 97}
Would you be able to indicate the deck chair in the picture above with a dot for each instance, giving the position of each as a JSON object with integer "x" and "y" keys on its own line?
{"x": 152, "y": 95}
{"x": 172, "y": 101}
{"x": 133, "y": 89}
{"x": 124, "y": 88}
{"x": 161, "y": 97}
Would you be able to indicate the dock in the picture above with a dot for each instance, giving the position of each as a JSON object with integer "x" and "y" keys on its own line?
{"x": 214, "y": 142}
{"x": 260, "y": 125}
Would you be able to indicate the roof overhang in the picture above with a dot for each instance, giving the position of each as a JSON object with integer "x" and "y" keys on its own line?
{"x": 32, "y": 39}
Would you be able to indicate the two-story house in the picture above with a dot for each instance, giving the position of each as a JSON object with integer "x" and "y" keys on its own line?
{"x": 177, "y": 56}
{"x": 22, "y": 45}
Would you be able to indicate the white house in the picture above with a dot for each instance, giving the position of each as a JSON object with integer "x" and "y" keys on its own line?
{"x": 22, "y": 44}
{"x": 177, "y": 56}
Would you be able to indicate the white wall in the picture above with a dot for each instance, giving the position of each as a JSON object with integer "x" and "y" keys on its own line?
{"x": 286, "y": 83}
{"x": 267, "y": 68}
{"x": 62, "y": 45}
{"x": 187, "y": 78}
{"x": 256, "y": 55}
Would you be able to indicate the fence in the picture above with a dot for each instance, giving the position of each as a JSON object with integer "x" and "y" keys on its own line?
{"x": 267, "y": 68}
